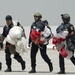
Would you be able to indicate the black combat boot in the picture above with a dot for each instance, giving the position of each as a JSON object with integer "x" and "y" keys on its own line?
{"x": 32, "y": 70}
{"x": 61, "y": 72}
{"x": 8, "y": 70}
{"x": 51, "y": 67}
{"x": 23, "y": 65}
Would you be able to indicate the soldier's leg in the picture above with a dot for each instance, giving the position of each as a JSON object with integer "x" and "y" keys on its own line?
{"x": 61, "y": 64}
{"x": 33, "y": 53}
{"x": 73, "y": 58}
{"x": 0, "y": 65}
{"x": 45, "y": 56}
{"x": 20, "y": 60}
{"x": 8, "y": 59}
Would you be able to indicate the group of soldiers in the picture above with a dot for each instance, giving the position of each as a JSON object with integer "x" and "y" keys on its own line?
{"x": 40, "y": 34}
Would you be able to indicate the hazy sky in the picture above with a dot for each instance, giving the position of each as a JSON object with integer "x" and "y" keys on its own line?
{"x": 23, "y": 10}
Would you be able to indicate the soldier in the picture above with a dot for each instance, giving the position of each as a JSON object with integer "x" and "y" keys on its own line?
{"x": 6, "y": 29}
{"x": 39, "y": 25}
{"x": 64, "y": 41}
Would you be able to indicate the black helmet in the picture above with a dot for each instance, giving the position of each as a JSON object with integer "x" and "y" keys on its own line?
{"x": 8, "y": 17}
{"x": 65, "y": 16}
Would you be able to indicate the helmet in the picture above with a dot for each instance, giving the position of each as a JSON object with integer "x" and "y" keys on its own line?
{"x": 65, "y": 16}
{"x": 8, "y": 17}
{"x": 38, "y": 15}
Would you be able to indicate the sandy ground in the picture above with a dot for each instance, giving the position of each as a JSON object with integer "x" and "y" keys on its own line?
{"x": 41, "y": 68}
